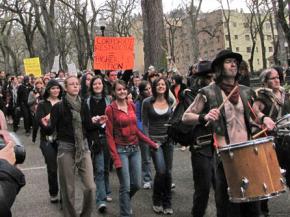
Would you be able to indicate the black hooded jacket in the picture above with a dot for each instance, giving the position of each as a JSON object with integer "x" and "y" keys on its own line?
{"x": 43, "y": 109}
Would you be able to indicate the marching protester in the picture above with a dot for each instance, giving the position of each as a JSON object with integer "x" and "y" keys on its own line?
{"x": 73, "y": 151}
{"x": 48, "y": 144}
{"x": 202, "y": 150}
{"x": 94, "y": 120}
{"x": 35, "y": 95}
{"x": 230, "y": 124}
{"x": 85, "y": 84}
{"x": 123, "y": 138}
{"x": 272, "y": 103}
{"x": 156, "y": 111}
{"x": 145, "y": 91}
{"x": 22, "y": 105}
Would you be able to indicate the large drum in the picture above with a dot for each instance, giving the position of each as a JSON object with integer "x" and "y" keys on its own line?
{"x": 252, "y": 170}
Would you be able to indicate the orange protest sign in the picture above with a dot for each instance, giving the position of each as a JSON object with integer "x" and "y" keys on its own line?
{"x": 114, "y": 53}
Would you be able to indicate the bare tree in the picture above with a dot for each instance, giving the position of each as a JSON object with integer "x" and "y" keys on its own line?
{"x": 83, "y": 27}
{"x": 227, "y": 17}
{"x": 25, "y": 16}
{"x": 173, "y": 22}
{"x": 282, "y": 5}
{"x": 119, "y": 15}
{"x": 193, "y": 13}
{"x": 154, "y": 33}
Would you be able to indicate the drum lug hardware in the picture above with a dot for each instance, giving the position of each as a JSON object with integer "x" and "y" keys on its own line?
{"x": 231, "y": 154}
{"x": 282, "y": 180}
{"x": 229, "y": 191}
{"x": 283, "y": 172}
{"x": 265, "y": 187}
{"x": 244, "y": 186}
{"x": 256, "y": 150}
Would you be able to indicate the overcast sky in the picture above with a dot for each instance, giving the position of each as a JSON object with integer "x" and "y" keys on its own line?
{"x": 206, "y": 6}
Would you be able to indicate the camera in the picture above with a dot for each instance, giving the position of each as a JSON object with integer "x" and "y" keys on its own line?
{"x": 19, "y": 149}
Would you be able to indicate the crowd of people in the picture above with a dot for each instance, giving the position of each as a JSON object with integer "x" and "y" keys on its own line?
{"x": 94, "y": 120}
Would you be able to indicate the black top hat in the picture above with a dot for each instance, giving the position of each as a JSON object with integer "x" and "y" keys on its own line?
{"x": 203, "y": 68}
{"x": 224, "y": 54}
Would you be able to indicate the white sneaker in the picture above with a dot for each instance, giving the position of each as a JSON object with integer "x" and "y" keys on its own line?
{"x": 168, "y": 211}
{"x": 158, "y": 209}
{"x": 54, "y": 199}
{"x": 102, "y": 208}
{"x": 109, "y": 199}
{"x": 147, "y": 185}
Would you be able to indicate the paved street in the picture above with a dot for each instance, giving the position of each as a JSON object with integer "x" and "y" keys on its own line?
{"x": 33, "y": 200}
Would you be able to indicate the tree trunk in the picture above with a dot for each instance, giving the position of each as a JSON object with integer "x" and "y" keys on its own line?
{"x": 154, "y": 34}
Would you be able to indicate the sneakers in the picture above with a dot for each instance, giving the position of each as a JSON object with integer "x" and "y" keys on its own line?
{"x": 168, "y": 211}
{"x": 147, "y": 185}
{"x": 109, "y": 199}
{"x": 102, "y": 208}
{"x": 173, "y": 185}
{"x": 157, "y": 209}
{"x": 54, "y": 199}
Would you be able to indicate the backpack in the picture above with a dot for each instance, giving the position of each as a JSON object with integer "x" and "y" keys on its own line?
{"x": 178, "y": 131}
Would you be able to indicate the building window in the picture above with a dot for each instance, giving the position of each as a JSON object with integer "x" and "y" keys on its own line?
{"x": 258, "y": 61}
{"x": 257, "y": 50}
{"x": 236, "y": 37}
{"x": 269, "y": 37}
{"x": 268, "y": 25}
{"x": 247, "y": 37}
{"x": 271, "y": 49}
{"x": 237, "y": 49}
{"x": 234, "y": 24}
{"x": 227, "y": 37}
{"x": 218, "y": 38}
{"x": 246, "y": 25}
{"x": 249, "y": 49}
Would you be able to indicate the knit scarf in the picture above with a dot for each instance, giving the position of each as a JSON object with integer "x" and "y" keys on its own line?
{"x": 75, "y": 107}
{"x": 227, "y": 88}
{"x": 97, "y": 97}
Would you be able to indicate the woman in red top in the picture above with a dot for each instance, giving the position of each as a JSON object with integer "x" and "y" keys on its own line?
{"x": 123, "y": 138}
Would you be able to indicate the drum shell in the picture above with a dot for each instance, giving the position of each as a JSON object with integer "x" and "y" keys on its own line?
{"x": 255, "y": 160}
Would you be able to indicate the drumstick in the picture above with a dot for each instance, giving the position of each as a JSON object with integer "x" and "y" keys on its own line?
{"x": 226, "y": 99}
{"x": 259, "y": 133}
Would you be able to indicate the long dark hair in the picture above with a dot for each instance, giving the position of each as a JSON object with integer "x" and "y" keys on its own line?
{"x": 154, "y": 89}
{"x": 104, "y": 92}
{"x": 220, "y": 73}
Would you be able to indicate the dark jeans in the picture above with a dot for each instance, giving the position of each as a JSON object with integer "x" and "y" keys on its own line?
{"x": 283, "y": 155}
{"x": 225, "y": 208}
{"x": 203, "y": 177}
{"x": 49, "y": 151}
{"x": 27, "y": 117}
{"x": 162, "y": 159}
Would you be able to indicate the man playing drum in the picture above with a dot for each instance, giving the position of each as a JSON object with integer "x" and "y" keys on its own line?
{"x": 224, "y": 105}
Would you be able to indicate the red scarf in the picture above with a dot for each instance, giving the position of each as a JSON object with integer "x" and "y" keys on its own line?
{"x": 227, "y": 88}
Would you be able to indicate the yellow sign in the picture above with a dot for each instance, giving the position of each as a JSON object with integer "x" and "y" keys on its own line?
{"x": 32, "y": 66}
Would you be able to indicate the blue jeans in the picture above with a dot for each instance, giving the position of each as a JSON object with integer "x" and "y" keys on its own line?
{"x": 146, "y": 162}
{"x": 129, "y": 176}
{"x": 102, "y": 166}
{"x": 162, "y": 159}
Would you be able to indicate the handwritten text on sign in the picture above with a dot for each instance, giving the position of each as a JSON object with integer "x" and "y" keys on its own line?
{"x": 32, "y": 66}
{"x": 114, "y": 53}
